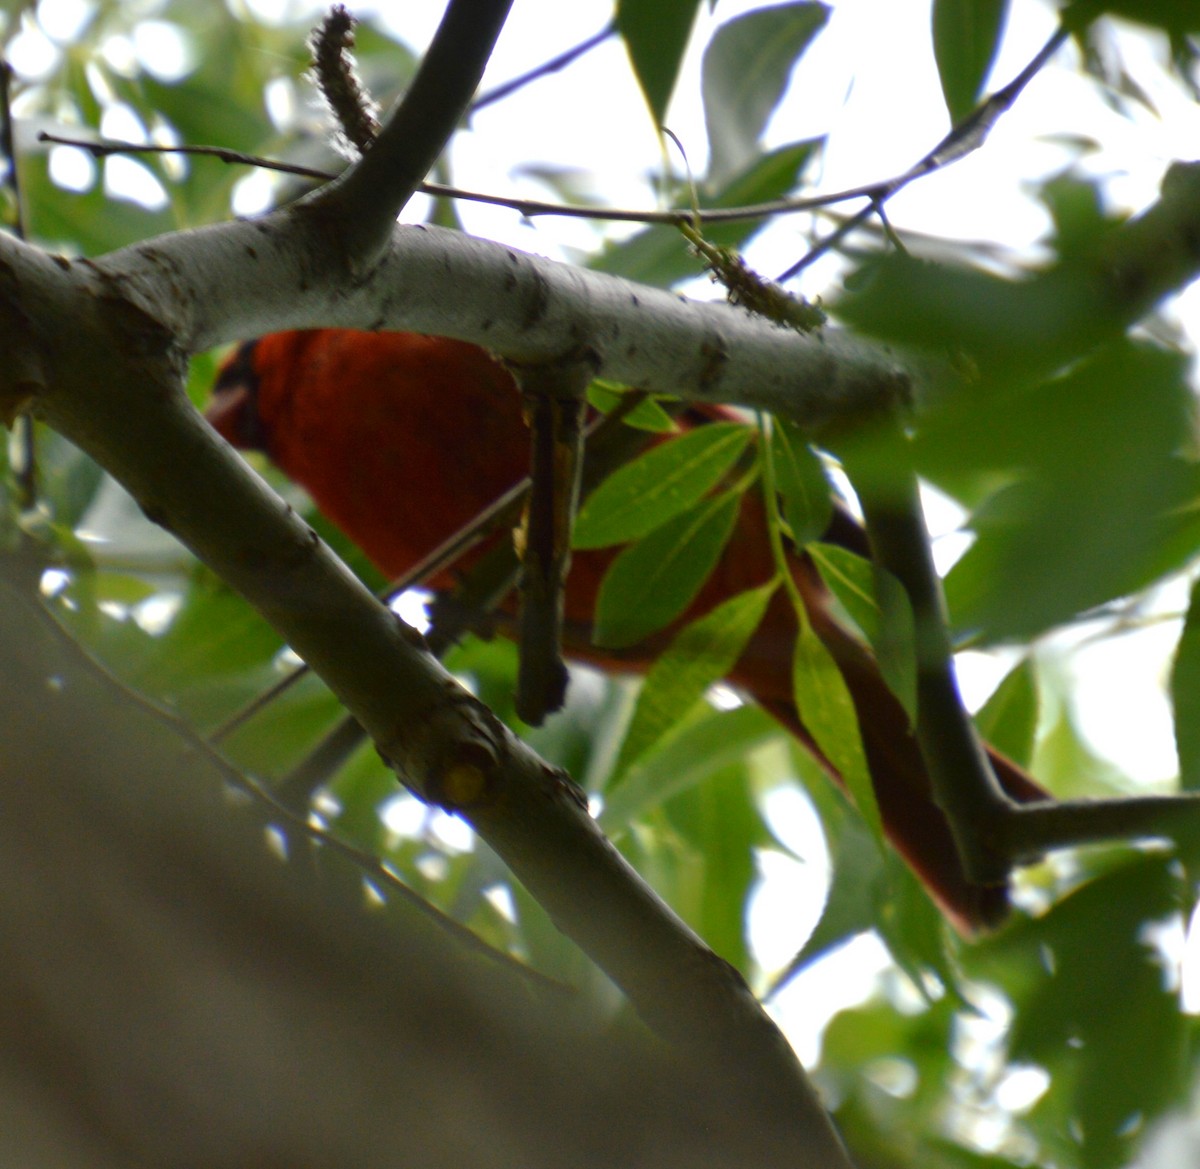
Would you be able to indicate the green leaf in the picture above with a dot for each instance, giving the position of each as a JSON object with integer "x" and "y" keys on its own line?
{"x": 852, "y": 905}
{"x": 658, "y": 485}
{"x": 646, "y": 415}
{"x": 651, "y": 582}
{"x": 879, "y": 606}
{"x": 1185, "y": 695}
{"x": 802, "y": 483}
{"x": 966, "y": 36}
{"x": 745, "y": 72}
{"x": 656, "y": 34}
{"x": 1094, "y": 493}
{"x": 827, "y": 709}
{"x": 914, "y": 929}
{"x": 1009, "y": 718}
{"x": 690, "y": 750}
{"x": 721, "y": 823}
{"x": 703, "y": 652}
{"x": 1094, "y": 1008}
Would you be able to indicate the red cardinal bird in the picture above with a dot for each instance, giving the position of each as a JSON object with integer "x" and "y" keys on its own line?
{"x": 402, "y": 439}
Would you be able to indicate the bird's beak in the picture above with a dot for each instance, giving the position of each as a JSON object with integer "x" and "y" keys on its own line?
{"x": 225, "y": 413}
{"x": 233, "y": 411}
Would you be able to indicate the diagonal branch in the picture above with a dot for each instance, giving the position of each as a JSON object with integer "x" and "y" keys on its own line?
{"x": 363, "y": 203}
{"x": 113, "y": 385}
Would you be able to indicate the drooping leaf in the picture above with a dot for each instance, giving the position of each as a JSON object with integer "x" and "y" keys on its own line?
{"x": 656, "y": 34}
{"x": 703, "y": 652}
{"x": 1185, "y": 695}
{"x": 827, "y": 709}
{"x": 702, "y": 746}
{"x": 1009, "y": 718}
{"x": 852, "y": 904}
{"x": 966, "y": 37}
{"x": 802, "y": 484}
{"x": 745, "y": 72}
{"x": 657, "y": 486}
{"x": 652, "y": 581}
{"x": 721, "y": 823}
{"x": 879, "y": 606}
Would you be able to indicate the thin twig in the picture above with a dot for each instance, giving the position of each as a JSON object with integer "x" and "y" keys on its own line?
{"x": 968, "y": 136}
{"x": 552, "y": 66}
{"x": 530, "y": 208}
{"x": 501, "y": 510}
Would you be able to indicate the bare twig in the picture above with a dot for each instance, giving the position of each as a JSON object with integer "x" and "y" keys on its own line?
{"x": 969, "y": 135}
{"x": 555, "y": 64}
{"x": 530, "y": 208}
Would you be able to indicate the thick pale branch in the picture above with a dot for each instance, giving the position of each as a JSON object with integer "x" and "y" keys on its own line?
{"x": 362, "y": 204}
{"x": 520, "y": 306}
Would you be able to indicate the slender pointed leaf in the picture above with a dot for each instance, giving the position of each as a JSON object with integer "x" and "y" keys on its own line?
{"x": 656, "y": 34}
{"x": 663, "y": 482}
{"x": 800, "y": 477}
{"x": 703, "y": 652}
{"x": 966, "y": 36}
{"x": 879, "y": 606}
{"x": 827, "y": 709}
{"x": 679, "y": 761}
{"x": 1185, "y": 695}
{"x": 1009, "y": 719}
{"x": 654, "y": 580}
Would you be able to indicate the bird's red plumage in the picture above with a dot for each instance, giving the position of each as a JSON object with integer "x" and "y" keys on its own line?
{"x": 402, "y": 439}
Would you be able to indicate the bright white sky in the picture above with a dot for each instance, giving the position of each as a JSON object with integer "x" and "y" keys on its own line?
{"x": 870, "y": 83}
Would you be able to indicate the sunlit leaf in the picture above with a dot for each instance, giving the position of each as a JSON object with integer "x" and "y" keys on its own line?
{"x": 663, "y": 482}
{"x": 703, "y": 652}
{"x": 651, "y": 582}
{"x": 828, "y": 712}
